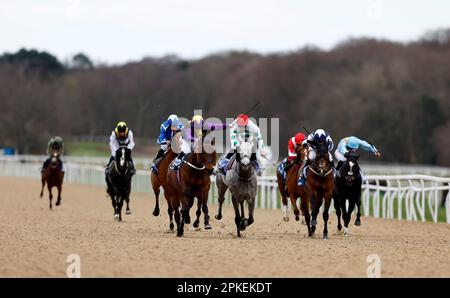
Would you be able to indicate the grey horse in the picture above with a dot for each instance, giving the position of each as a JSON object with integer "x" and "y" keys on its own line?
{"x": 241, "y": 180}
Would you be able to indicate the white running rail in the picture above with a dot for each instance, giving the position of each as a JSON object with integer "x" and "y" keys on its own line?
{"x": 410, "y": 197}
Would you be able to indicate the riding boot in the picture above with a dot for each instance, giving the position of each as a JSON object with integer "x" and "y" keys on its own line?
{"x": 302, "y": 180}
{"x": 45, "y": 165}
{"x": 157, "y": 160}
{"x": 133, "y": 169}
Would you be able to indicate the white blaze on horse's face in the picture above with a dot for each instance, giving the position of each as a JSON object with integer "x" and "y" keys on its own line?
{"x": 122, "y": 158}
{"x": 245, "y": 151}
{"x": 350, "y": 172}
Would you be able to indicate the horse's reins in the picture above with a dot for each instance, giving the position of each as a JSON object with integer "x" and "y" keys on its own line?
{"x": 312, "y": 169}
{"x": 194, "y": 167}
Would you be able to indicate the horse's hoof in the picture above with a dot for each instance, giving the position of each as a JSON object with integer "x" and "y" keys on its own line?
{"x": 346, "y": 232}
{"x": 128, "y": 212}
{"x": 172, "y": 226}
{"x": 339, "y": 228}
{"x": 156, "y": 212}
{"x": 357, "y": 222}
{"x": 303, "y": 221}
{"x": 196, "y": 224}
{"x": 325, "y": 237}
{"x": 250, "y": 221}
{"x": 218, "y": 216}
{"x": 286, "y": 218}
{"x": 208, "y": 226}
{"x": 313, "y": 222}
{"x": 58, "y": 203}
{"x": 179, "y": 233}
{"x": 297, "y": 218}
{"x": 187, "y": 220}
{"x": 243, "y": 225}
{"x": 116, "y": 217}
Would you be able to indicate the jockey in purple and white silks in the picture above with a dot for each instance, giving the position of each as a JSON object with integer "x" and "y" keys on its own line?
{"x": 320, "y": 136}
{"x": 352, "y": 144}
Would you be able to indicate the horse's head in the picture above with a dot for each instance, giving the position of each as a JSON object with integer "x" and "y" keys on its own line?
{"x": 54, "y": 160}
{"x": 244, "y": 153}
{"x": 350, "y": 169}
{"x": 209, "y": 155}
{"x": 322, "y": 161}
{"x": 123, "y": 156}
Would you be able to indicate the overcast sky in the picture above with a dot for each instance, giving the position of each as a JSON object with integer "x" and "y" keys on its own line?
{"x": 120, "y": 31}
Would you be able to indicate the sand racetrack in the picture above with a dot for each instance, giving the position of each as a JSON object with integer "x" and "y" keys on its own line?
{"x": 36, "y": 241}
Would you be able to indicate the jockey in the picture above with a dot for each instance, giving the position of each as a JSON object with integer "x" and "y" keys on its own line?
{"x": 121, "y": 136}
{"x": 352, "y": 144}
{"x": 243, "y": 130}
{"x": 294, "y": 144}
{"x": 196, "y": 130}
{"x": 167, "y": 130}
{"x": 55, "y": 144}
{"x": 313, "y": 140}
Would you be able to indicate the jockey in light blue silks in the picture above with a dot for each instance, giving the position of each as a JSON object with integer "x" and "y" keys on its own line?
{"x": 349, "y": 144}
{"x": 320, "y": 136}
{"x": 167, "y": 130}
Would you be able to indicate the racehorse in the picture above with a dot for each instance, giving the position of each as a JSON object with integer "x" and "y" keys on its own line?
{"x": 288, "y": 187}
{"x": 53, "y": 176}
{"x": 348, "y": 187}
{"x": 320, "y": 180}
{"x": 118, "y": 179}
{"x": 241, "y": 179}
{"x": 160, "y": 179}
{"x": 191, "y": 180}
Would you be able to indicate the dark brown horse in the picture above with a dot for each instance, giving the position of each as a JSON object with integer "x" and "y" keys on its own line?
{"x": 53, "y": 176}
{"x": 290, "y": 188}
{"x": 160, "y": 179}
{"x": 191, "y": 180}
{"x": 320, "y": 180}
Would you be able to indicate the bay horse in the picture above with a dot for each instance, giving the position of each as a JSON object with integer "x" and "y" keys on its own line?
{"x": 241, "y": 180}
{"x": 348, "y": 187}
{"x": 160, "y": 180}
{"x": 288, "y": 187}
{"x": 192, "y": 180}
{"x": 118, "y": 179}
{"x": 320, "y": 180}
{"x": 53, "y": 176}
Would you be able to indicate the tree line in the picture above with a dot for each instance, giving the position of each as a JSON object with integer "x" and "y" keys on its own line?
{"x": 392, "y": 94}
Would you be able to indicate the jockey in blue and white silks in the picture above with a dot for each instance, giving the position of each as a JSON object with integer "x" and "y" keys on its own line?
{"x": 320, "y": 136}
{"x": 352, "y": 143}
{"x": 167, "y": 130}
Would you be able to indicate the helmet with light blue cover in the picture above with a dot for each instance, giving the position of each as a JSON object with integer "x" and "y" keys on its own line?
{"x": 353, "y": 143}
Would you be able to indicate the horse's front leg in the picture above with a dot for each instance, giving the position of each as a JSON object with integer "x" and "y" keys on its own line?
{"x": 348, "y": 216}
{"x": 294, "y": 205}
{"x": 128, "y": 210}
{"x": 119, "y": 207}
{"x": 237, "y": 216}
{"x": 358, "y": 209}
{"x": 221, "y": 190}
{"x": 58, "y": 201}
{"x": 198, "y": 213}
{"x": 337, "y": 207}
{"x": 314, "y": 212}
{"x": 325, "y": 215}
{"x": 43, "y": 185}
{"x": 304, "y": 206}
{"x": 251, "y": 209}
{"x": 50, "y": 196}
{"x": 205, "y": 209}
{"x": 175, "y": 203}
